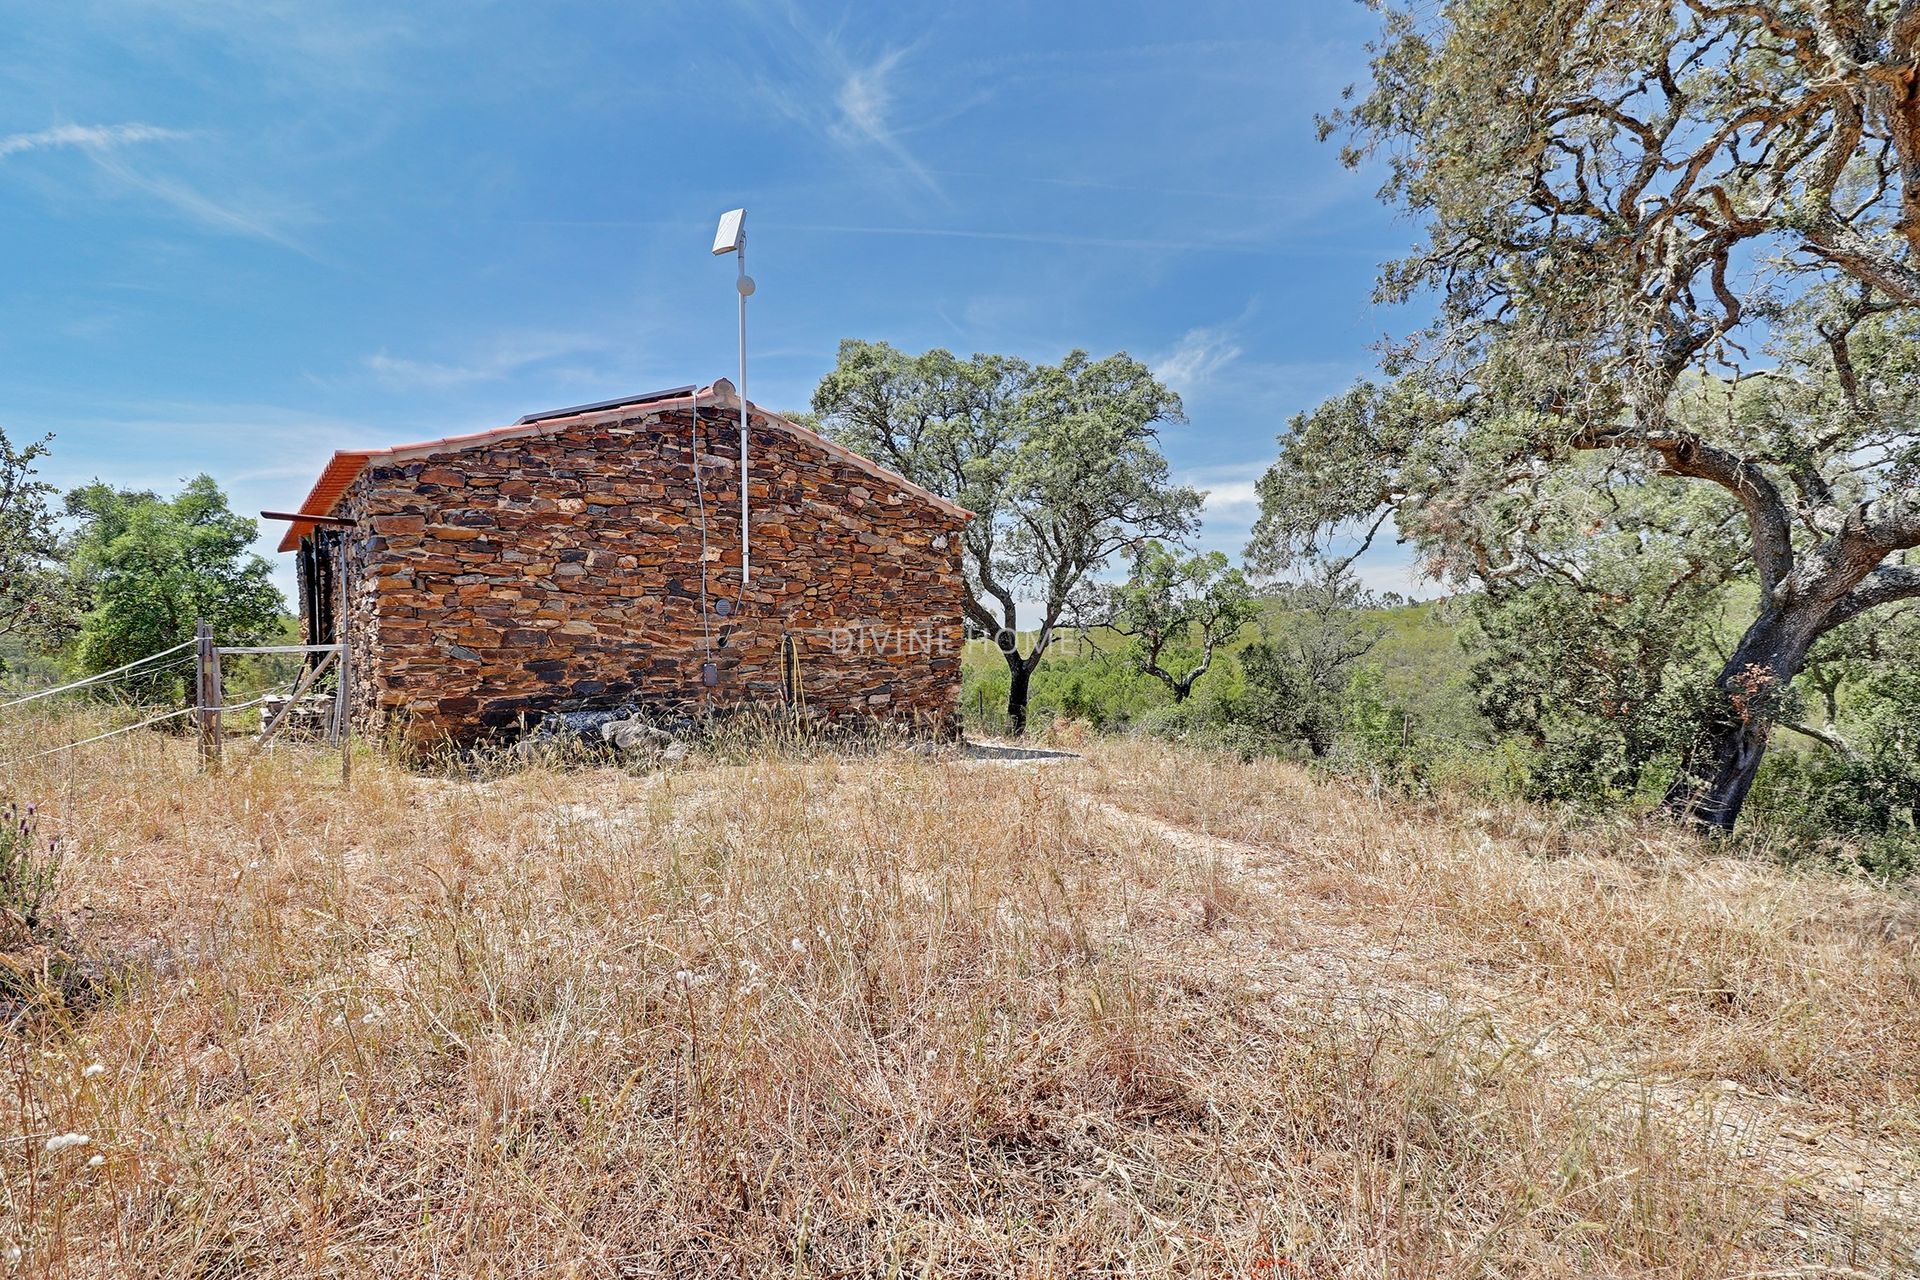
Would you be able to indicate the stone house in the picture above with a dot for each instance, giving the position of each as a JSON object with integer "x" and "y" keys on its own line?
{"x": 590, "y": 558}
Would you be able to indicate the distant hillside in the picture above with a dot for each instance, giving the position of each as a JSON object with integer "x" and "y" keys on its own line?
{"x": 1425, "y": 664}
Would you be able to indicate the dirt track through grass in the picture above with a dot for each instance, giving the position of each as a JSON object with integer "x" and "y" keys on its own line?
{"x": 1841, "y": 1170}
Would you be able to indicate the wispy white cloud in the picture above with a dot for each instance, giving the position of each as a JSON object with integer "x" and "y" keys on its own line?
{"x": 503, "y": 358}
{"x": 1065, "y": 239}
{"x": 429, "y": 373}
{"x": 86, "y": 137}
{"x": 234, "y": 216}
{"x": 1195, "y": 359}
{"x": 865, "y": 101}
{"x": 1237, "y": 496}
{"x": 1233, "y": 496}
{"x": 848, "y": 95}
{"x": 103, "y": 145}
{"x": 343, "y": 48}
{"x": 1233, "y": 504}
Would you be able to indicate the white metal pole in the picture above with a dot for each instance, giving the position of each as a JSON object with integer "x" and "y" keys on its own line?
{"x": 746, "y": 558}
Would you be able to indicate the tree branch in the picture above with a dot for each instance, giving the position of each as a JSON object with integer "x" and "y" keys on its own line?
{"x": 1888, "y": 583}
{"x": 1687, "y": 455}
{"x": 1893, "y": 523}
{"x": 1827, "y": 740}
{"x": 1854, "y": 253}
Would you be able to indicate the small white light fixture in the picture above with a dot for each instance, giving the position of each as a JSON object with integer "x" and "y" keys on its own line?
{"x": 731, "y": 237}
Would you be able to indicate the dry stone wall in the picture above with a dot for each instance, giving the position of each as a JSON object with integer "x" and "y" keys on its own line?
{"x": 562, "y": 571}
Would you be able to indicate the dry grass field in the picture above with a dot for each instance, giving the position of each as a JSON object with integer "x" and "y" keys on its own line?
{"x": 1139, "y": 1012}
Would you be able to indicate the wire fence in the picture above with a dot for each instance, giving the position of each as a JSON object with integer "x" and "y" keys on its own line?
{"x": 131, "y": 671}
{"x": 99, "y": 737}
{"x": 257, "y": 679}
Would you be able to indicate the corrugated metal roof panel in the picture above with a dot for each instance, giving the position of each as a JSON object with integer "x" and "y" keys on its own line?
{"x": 671, "y": 393}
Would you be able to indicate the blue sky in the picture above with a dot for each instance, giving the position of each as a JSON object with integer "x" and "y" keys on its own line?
{"x": 243, "y": 233}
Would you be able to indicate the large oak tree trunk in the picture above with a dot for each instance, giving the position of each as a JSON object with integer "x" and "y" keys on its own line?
{"x": 1018, "y": 690}
{"x": 1714, "y": 784}
{"x": 1720, "y": 769}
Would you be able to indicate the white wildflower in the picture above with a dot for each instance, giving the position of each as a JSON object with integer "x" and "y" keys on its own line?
{"x": 799, "y": 945}
{"x": 13, "y": 1255}
{"x": 684, "y": 977}
{"x": 94, "y": 1069}
{"x": 66, "y": 1140}
{"x": 94, "y": 1162}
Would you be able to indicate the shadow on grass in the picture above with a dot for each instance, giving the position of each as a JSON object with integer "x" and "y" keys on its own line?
{"x": 1001, "y": 751}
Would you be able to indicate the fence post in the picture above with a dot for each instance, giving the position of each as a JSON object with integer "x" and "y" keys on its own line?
{"x": 217, "y": 687}
{"x": 206, "y": 668}
{"x": 346, "y": 667}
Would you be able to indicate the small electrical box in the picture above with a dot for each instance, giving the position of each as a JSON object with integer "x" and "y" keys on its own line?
{"x": 710, "y": 674}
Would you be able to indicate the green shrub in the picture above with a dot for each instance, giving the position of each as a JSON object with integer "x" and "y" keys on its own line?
{"x": 1860, "y": 809}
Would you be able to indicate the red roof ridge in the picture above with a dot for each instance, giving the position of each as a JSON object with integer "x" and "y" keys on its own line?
{"x": 346, "y": 464}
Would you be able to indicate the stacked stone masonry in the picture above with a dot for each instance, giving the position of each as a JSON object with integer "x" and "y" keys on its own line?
{"x": 556, "y": 571}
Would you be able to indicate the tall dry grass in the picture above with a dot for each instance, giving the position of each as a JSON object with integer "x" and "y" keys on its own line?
{"x": 1143, "y": 1013}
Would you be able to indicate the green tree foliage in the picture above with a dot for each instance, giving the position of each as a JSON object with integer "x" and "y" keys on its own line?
{"x": 1848, "y": 664}
{"x": 35, "y": 604}
{"x": 1177, "y": 610}
{"x": 1861, "y": 804}
{"x": 1597, "y": 657}
{"x": 1297, "y": 675}
{"x": 150, "y": 567}
{"x": 1599, "y": 179}
{"x": 1599, "y": 691}
{"x": 1060, "y": 464}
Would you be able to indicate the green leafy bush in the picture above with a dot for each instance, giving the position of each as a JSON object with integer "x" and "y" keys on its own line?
{"x": 1859, "y": 809}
